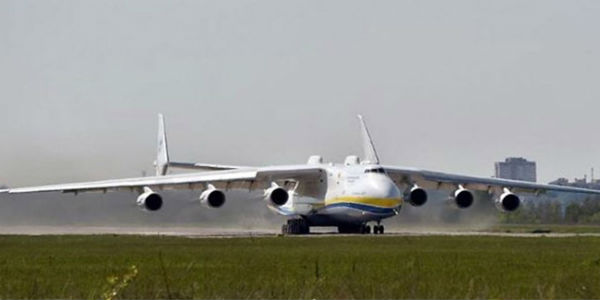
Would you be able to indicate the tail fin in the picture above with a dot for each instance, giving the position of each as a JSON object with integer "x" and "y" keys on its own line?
{"x": 162, "y": 156}
{"x": 368, "y": 146}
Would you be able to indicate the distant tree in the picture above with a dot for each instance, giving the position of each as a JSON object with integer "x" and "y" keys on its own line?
{"x": 524, "y": 215}
{"x": 591, "y": 219}
{"x": 573, "y": 213}
{"x": 550, "y": 211}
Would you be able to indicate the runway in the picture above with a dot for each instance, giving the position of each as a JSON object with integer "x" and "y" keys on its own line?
{"x": 196, "y": 232}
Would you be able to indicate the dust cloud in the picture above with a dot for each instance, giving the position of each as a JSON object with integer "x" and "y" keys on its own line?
{"x": 243, "y": 212}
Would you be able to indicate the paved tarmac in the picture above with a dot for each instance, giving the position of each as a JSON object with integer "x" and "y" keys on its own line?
{"x": 196, "y": 232}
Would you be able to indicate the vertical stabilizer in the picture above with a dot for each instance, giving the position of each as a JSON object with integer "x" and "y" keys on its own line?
{"x": 368, "y": 147}
{"x": 162, "y": 157}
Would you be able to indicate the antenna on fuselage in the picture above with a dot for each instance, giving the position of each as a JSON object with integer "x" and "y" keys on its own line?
{"x": 368, "y": 146}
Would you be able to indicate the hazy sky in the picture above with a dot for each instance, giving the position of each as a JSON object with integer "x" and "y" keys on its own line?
{"x": 444, "y": 85}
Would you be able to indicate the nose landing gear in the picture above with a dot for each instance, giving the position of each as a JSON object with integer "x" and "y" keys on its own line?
{"x": 378, "y": 229}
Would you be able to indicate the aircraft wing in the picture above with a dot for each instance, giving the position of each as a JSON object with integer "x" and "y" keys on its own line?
{"x": 251, "y": 179}
{"x": 438, "y": 180}
{"x": 201, "y": 166}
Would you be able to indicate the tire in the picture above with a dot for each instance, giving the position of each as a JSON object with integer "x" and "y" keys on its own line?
{"x": 378, "y": 229}
{"x": 297, "y": 226}
{"x": 363, "y": 230}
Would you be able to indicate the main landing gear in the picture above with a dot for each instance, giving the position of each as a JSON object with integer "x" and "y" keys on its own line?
{"x": 360, "y": 228}
{"x": 295, "y": 226}
{"x": 301, "y": 226}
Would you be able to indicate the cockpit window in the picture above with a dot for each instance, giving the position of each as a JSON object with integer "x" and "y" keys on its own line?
{"x": 375, "y": 170}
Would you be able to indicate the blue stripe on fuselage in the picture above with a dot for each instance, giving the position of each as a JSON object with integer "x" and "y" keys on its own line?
{"x": 369, "y": 208}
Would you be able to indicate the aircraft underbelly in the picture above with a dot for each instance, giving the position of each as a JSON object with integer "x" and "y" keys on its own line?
{"x": 333, "y": 215}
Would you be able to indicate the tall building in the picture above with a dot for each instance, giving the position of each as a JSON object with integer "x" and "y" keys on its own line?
{"x": 516, "y": 168}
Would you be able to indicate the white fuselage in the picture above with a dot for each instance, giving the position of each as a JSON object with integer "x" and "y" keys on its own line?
{"x": 352, "y": 194}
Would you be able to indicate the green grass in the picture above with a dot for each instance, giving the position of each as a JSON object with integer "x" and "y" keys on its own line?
{"x": 295, "y": 267}
{"x": 553, "y": 228}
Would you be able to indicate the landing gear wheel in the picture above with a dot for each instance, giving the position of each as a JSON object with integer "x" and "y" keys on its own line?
{"x": 378, "y": 229}
{"x": 296, "y": 226}
{"x": 365, "y": 229}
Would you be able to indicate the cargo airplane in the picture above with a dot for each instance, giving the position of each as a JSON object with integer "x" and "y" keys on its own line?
{"x": 348, "y": 196}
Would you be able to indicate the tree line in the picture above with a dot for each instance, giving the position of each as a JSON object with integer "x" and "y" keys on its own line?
{"x": 553, "y": 211}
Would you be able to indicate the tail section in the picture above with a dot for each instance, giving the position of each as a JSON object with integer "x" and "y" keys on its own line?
{"x": 162, "y": 157}
{"x": 163, "y": 163}
{"x": 368, "y": 146}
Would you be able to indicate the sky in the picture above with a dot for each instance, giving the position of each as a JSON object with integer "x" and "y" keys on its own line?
{"x": 444, "y": 85}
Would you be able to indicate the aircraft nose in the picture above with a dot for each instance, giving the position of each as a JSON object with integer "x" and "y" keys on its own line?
{"x": 384, "y": 187}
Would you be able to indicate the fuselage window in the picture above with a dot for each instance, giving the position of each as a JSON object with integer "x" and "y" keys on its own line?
{"x": 376, "y": 170}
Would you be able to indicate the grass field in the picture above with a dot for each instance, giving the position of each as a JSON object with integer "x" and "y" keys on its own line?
{"x": 136, "y": 267}
{"x": 554, "y": 228}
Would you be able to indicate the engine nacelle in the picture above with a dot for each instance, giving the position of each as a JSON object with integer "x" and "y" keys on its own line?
{"x": 508, "y": 201}
{"x": 417, "y": 196}
{"x": 277, "y": 195}
{"x": 463, "y": 198}
{"x": 149, "y": 200}
{"x": 212, "y": 197}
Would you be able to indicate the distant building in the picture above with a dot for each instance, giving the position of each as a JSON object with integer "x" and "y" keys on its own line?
{"x": 516, "y": 168}
{"x": 580, "y": 183}
{"x": 560, "y": 181}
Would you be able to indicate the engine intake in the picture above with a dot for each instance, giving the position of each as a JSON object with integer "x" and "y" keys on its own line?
{"x": 417, "y": 196}
{"x": 508, "y": 201}
{"x": 212, "y": 197}
{"x": 277, "y": 195}
{"x": 463, "y": 198}
{"x": 149, "y": 200}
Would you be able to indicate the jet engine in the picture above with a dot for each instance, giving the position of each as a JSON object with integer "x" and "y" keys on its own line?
{"x": 417, "y": 196}
{"x": 463, "y": 198}
{"x": 212, "y": 197}
{"x": 276, "y": 195}
{"x": 508, "y": 201}
{"x": 149, "y": 200}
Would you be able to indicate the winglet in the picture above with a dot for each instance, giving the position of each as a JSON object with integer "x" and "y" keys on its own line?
{"x": 162, "y": 156}
{"x": 368, "y": 146}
